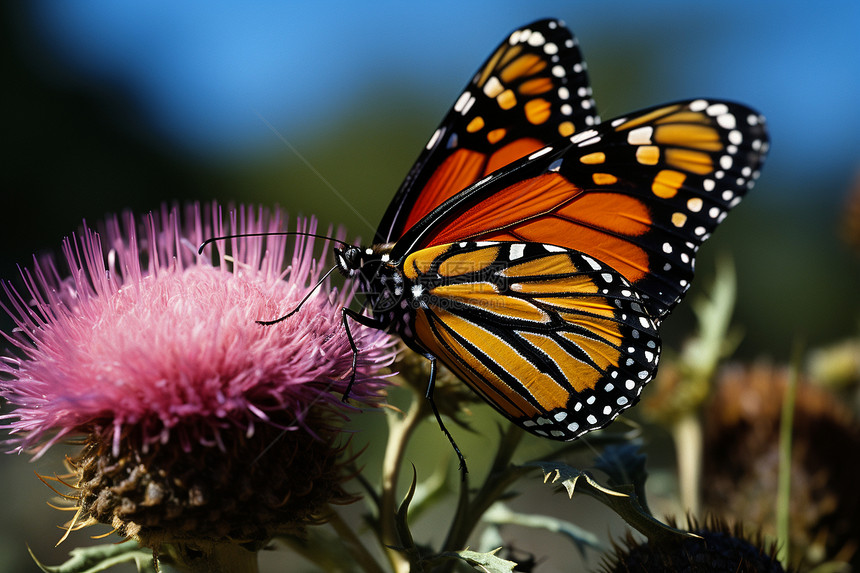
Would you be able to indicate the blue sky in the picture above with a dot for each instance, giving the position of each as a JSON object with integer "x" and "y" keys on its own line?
{"x": 203, "y": 71}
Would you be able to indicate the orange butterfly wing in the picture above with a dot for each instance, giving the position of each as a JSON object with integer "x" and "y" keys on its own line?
{"x": 531, "y": 91}
{"x": 555, "y": 341}
{"x": 640, "y": 194}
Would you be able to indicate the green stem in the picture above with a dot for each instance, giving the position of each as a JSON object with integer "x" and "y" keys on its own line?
{"x": 786, "y": 424}
{"x": 499, "y": 478}
{"x": 399, "y": 433}
{"x": 687, "y": 434}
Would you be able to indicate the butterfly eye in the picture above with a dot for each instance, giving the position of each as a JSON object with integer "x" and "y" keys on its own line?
{"x": 348, "y": 259}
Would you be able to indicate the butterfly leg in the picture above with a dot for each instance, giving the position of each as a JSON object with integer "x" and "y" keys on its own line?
{"x": 429, "y": 395}
{"x": 381, "y": 325}
{"x": 364, "y": 321}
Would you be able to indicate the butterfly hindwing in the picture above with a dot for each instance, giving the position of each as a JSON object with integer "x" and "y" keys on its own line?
{"x": 531, "y": 91}
{"x": 639, "y": 193}
{"x": 555, "y": 340}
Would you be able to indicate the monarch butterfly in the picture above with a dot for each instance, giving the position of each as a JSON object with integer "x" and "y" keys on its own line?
{"x": 534, "y": 250}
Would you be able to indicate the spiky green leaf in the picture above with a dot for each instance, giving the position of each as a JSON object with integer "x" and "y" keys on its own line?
{"x": 101, "y": 558}
{"x": 486, "y": 562}
{"x": 622, "y": 500}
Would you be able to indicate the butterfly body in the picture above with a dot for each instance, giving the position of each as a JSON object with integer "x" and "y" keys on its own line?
{"x": 534, "y": 250}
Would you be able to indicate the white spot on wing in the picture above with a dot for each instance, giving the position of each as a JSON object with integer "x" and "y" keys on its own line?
{"x": 536, "y": 39}
{"x": 540, "y": 152}
{"x": 516, "y": 251}
{"x": 592, "y": 263}
{"x": 433, "y": 139}
{"x": 493, "y": 87}
{"x": 582, "y": 136}
{"x": 726, "y": 121}
{"x": 640, "y": 135}
{"x": 461, "y": 101}
{"x": 468, "y": 105}
{"x": 717, "y": 109}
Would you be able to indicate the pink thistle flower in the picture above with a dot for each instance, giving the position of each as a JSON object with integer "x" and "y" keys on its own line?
{"x": 152, "y": 353}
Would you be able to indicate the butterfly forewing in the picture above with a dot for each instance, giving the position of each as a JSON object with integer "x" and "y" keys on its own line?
{"x": 640, "y": 194}
{"x": 687, "y": 165}
{"x": 555, "y": 340}
{"x": 531, "y": 91}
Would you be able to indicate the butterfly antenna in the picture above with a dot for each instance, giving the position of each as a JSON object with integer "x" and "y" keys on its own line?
{"x": 301, "y": 303}
{"x": 277, "y": 234}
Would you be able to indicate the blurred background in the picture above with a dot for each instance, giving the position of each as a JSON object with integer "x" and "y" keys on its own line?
{"x": 110, "y": 106}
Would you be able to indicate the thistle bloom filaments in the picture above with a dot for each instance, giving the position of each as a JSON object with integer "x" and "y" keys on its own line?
{"x": 715, "y": 548}
{"x": 198, "y": 422}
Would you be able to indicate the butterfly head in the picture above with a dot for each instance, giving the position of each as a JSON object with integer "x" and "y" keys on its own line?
{"x": 380, "y": 281}
{"x": 353, "y": 261}
{"x": 348, "y": 260}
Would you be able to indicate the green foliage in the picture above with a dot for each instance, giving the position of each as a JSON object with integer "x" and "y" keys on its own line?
{"x": 501, "y": 514}
{"x": 102, "y": 558}
{"x": 622, "y": 500}
{"x": 486, "y": 562}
